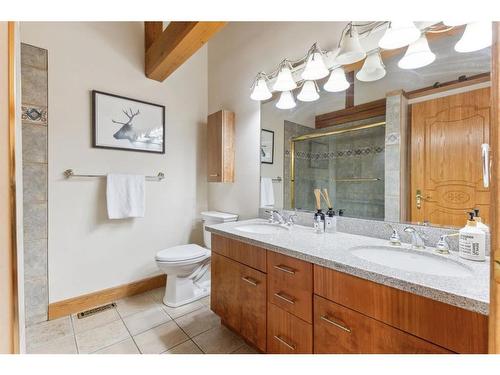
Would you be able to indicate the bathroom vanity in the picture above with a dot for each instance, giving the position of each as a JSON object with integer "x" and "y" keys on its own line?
{"x": 299, "y": 292}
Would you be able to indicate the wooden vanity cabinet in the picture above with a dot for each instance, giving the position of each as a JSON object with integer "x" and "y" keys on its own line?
{"x": 239, "y": 292}
{"x": 281, "y": 304}
{"x": 339, "y": 330}
{"x": 220, "y": 146}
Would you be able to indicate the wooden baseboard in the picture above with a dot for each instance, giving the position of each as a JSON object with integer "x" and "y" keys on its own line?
{"x": 88, "y": 301}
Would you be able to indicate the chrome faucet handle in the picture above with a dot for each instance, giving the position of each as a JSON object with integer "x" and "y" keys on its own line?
{"x": 442, "y": 246}
{"x": 417, "y": 238}
{"x": 279, "y": 216}
{"x": 291, "y": 219}
{"x": 271, "y": 218}
{"x": 394, "y": 240}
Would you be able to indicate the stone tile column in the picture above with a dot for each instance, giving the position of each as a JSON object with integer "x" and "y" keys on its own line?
{"x": 35, "y": 161}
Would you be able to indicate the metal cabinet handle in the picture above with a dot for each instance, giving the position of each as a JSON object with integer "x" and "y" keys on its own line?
{"x": 214, "y": 175}
{"x": 329, "y": 320}
{"x": 289, "y": 346}
{"x": 485, "y": 153}
{"x": 285, "y": 269}
{"x": 250, "y": 280}
{"x": 285, "y": 298}
{"x": 418, "y": 199}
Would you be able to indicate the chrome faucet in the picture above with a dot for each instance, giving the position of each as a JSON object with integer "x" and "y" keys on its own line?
{"x": 394, "y": 240}
{"x": 442, "y": 246}
{"x": 277, "y": 217}
{"x": 417, "y": 238}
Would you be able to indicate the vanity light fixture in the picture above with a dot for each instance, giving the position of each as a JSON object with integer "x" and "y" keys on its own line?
{"x": 260, "y": 91}
{"x": 315, "y": 65}
{"x": 373, "y": 68}
{"x": 399, "y": 34}
{"x": 337, "y": 81}
{"x": 285, "y": 81}
{"x": 309, "y": 92}
{"x": 286, "y": 100}
{"x": 454, "y": 22}
{"x": 477, "y": 35}
{"x": 417, "y": 55}
{"x": 350, "y": 48}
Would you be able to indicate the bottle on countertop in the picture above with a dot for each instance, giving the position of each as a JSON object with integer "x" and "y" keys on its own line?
{"x": 319, "y": 221}
{"x": 472, "y": 241}
{"x": 479, "y": 222}
{"x": 330, "y": 221}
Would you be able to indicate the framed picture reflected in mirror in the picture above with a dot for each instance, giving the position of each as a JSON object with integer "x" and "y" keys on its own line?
{"x": 266, "y": 146}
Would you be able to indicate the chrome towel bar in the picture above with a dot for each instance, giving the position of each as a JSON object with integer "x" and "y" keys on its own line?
{"x": 68, "y": 173}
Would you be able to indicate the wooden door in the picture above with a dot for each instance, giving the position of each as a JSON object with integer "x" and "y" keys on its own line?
{"x": 446, "y": 162}
{"x": 252, "y": 298}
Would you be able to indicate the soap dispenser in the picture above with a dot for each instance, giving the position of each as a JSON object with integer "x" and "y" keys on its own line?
{"x": 472, "y": 241}
{"x": 479, "y": 222}
{"x": 330, "y": 219}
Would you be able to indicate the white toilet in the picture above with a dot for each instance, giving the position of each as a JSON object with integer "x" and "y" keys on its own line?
{"x": 188, "y": 266}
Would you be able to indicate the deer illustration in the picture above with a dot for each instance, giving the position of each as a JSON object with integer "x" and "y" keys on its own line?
{"x": 126, "y": 131}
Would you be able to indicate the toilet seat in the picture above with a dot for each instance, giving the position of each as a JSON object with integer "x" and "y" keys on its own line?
{"x": 182, "y": 253}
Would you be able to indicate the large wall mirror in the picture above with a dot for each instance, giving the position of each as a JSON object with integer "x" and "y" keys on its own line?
{"x": 406, "y": 147}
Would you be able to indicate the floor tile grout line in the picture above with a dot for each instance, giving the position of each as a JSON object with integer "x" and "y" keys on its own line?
{"x": 131, "y": 336}
{"x": 189, "y": 337}
{"x": 74, "y": 334}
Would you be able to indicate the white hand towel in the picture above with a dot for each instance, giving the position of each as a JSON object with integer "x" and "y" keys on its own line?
{"x": 125, "y": 195}
{"x": 266, "y": 192}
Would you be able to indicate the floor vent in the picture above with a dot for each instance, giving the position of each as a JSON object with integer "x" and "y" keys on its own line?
{"x": 95, "y": 310}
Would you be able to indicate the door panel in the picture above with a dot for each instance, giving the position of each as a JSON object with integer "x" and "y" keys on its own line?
{"x": 446, "y": 164}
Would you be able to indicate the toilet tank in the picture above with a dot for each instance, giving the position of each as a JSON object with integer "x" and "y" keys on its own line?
{"x": 214, "y": 217}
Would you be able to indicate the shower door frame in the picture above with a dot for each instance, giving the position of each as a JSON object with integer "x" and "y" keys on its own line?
{"x": 309, "y": 136}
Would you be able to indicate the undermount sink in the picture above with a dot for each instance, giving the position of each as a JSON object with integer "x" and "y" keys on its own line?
{"x": 410, "y": 260}
{"x": 261, "y": 228}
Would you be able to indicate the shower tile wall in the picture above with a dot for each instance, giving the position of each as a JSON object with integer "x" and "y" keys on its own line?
{"x": 34, "y": 137}
{"x": 359, "y": 154}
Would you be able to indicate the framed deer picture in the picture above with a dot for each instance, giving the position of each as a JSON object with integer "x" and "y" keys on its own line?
{"x": 122, "y": 123}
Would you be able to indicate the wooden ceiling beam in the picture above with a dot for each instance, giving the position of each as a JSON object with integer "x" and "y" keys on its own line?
{"x": 174, "y": 45}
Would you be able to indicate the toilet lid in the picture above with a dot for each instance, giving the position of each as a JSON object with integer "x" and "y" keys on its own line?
{"x": 179, "y": 253}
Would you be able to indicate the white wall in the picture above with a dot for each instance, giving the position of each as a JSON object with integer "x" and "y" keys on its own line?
{"x": 88, "y": 252}
{"x": 235, "y": 55}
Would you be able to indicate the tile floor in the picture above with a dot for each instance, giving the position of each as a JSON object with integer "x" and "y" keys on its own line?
{"x": 138, "y": 324}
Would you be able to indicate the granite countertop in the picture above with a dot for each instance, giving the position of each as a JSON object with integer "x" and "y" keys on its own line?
{"x": 332, "y": 250}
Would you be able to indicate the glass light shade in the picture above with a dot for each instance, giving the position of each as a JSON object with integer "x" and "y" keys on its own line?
{"x": 315, "y": 67}
{"x": 337, "y": 81}
{"x": 399, "y": 34}
{"x": 309, "y": 92}
{"x": 260, "y": 90}
{"x": 417, "y": 55}
{"x": 284, "y": 81}
{"x": 373, "y": 68}
{"x": 477, "y": 35}
{"x": 452, "y": 22}
{"x": 286, "y": 100}
{"x": 350, "y": 49}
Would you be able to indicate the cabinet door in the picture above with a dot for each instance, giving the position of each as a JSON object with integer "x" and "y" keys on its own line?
{"x": 339, "y": 330}
{"x": 226, "y": 280}
{"x": 253, "y": 306}
{"x": 214, "y": 149}
{"x": 287, "y": 334}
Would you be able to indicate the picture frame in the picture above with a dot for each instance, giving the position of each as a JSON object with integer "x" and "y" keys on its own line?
{"x": 122, "y": 123}
{"x": 266, "y": 146}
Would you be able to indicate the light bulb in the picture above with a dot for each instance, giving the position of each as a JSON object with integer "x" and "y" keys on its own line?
{"x": 337, "y": 81}
{"x": 417, "y": 55}
{"x": 284, "y": 81}
{"x": 260, "y": 90}
{"x": 477, "y": 35}
{"x": 286, "y": 100}
{"x": 309, "y": 92}
{"x": 315, "y": 66}
{"x": 399, "y": 34}
{"x": 350, "y": 49}
{"x": 373, "y": 68}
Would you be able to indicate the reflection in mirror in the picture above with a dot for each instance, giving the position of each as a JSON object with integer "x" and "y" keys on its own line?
{"x": 404, "y": 147}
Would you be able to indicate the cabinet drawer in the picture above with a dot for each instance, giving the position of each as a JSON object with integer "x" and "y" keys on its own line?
{"x": 252, "y": 256}
{"x": 290, "y": 284}
{"x": 339, "y": 330}
{"x": 456, "y": 329}
{"x": 287, "y": 334}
